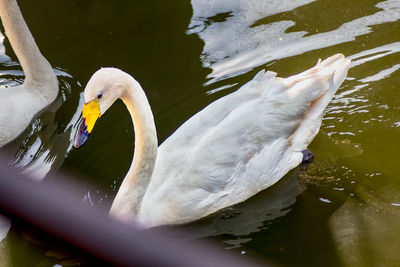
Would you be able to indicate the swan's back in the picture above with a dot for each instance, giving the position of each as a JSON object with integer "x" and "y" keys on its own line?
{"x": 239, "y": 144}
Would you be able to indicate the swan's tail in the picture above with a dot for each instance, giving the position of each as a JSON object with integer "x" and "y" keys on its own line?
{"x": 326, "y": 76}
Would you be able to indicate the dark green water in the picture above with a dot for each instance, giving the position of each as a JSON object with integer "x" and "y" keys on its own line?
{"x": 341, "y": 210}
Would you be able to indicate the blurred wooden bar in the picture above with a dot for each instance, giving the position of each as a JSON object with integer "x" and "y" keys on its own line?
{"x": 51, "y": 210}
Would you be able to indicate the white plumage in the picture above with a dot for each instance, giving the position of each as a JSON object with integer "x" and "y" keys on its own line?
{"x": 19, "y": 104}
{"x": 224, "y": 154}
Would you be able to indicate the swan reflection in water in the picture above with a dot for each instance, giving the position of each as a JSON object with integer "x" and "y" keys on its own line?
{"x": 44, "y": 144}
{"x": 237, "y": 222}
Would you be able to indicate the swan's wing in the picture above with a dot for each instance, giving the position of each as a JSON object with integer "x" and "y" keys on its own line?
{"x": 240, "y": 144}
{"x": 206, "y": 119}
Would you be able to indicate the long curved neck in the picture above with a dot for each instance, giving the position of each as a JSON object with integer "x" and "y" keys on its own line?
{"x": 37, "y": 69}
{"x": 129, "y": 197}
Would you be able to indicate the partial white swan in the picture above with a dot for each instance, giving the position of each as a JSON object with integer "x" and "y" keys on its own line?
{"x": 229, "y": 151}
{"x": 19, "y": 104}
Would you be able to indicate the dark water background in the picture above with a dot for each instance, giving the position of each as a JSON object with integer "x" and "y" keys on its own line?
{"x": 341, "y": 210}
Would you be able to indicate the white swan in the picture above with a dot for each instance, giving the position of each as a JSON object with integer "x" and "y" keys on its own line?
{"x": 19, "y": 104}
{"x": 226, "y": 153}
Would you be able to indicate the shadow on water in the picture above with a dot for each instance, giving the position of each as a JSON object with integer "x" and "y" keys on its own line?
{"x": 365, "y": 228}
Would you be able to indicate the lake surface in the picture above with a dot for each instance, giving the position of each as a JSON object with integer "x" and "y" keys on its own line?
{"x": 343, "y": 209}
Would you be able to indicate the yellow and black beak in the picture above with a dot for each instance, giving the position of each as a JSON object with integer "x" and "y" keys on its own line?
{"x": 90, "y": 113}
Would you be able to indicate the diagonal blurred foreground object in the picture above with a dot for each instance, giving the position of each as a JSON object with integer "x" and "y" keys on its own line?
{"x": 54, "y": 212}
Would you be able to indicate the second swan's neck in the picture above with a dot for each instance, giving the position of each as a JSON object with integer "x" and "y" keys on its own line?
{"x": 37, "y": 69}
{"x": 129, "y": 197}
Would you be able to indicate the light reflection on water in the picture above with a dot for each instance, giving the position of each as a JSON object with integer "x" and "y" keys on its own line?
{"x": 42, "y": 147}
{"x": 299, "y": 221}
{"x": 235, "y": 46}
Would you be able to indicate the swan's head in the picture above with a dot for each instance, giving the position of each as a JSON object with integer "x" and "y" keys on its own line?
{"x": 102, "y": 90}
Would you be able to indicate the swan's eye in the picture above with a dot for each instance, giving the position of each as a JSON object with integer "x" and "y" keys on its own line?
{"x": 100, "y": 95}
